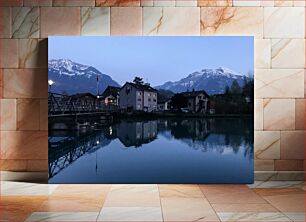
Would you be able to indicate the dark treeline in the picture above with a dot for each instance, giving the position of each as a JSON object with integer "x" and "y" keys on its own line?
{"x": 235, "y": 99}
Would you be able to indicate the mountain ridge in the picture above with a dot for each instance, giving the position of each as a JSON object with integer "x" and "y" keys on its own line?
{"x": 71, "y": 77}
{"x": 213, "y": 81}
{"x": 67, "y": 76}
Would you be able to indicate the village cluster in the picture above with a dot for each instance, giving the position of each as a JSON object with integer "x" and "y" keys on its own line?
{"x": 143, "y": 97}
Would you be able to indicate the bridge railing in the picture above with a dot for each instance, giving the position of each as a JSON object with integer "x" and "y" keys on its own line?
{"x": 64, "y": 104}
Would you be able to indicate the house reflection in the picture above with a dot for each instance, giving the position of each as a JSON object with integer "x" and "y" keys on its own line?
{"x": 136, "y": 133}
{"x": 195, "y": 129}
{"x": 206, "y": 135}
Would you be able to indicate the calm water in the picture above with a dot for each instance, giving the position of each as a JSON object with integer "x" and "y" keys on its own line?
{"x": 215, "y": 150}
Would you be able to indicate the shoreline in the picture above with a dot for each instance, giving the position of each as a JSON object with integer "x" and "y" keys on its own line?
{"x": 75, "y": 122}
{"x": 180, "y": 115}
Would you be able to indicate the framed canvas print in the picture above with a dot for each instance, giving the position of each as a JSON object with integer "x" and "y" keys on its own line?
{"x": 151, "y": 109}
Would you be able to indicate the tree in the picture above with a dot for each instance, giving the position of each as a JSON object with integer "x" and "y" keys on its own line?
{"x": 235, "y": 88}
{"x": 179, "y": 101}
{"x": 227, "y": 90}
{"x": 248, "y": 88}
{"x": 137, "y": 80}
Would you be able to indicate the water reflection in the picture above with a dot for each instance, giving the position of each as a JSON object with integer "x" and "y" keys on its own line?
{"x": 136, "y": 133}
{"x": 218, "y": 136}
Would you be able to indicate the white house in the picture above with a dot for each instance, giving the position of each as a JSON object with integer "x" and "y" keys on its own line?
{"x": 138, "y": 97}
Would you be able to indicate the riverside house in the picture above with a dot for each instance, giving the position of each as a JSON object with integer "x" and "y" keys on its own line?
{"x": 197, "y": 101}
{"x": 110, "y": 95}
{"x": 164, "y": 105}
{"x": 138, "y": 96}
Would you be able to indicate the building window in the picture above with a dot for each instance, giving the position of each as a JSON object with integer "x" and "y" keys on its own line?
{"x": 149, "y": 99}
{"x": 139, "y": 93}
{"x": 154, "y": 100}
{"x": 149, "y": 94}
{"x": 139, "y": 99}
{"x": 154, "y": 95}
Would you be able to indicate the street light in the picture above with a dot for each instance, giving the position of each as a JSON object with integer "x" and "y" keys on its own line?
{"x": 50, "y": 83}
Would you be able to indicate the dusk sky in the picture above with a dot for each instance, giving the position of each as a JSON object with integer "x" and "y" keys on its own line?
{"x": 155, "y": 59}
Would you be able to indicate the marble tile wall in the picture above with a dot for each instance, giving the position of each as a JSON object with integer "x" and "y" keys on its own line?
{"x": 278, "y": 27}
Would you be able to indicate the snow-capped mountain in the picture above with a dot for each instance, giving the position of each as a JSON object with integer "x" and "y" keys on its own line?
{"x": 71, "y": 77}
{"x": 213, "y": 81}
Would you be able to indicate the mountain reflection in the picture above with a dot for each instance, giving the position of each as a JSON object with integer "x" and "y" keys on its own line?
{"x": 206, "y": 135}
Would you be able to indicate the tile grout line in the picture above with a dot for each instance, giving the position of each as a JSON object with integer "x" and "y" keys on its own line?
{"x": 104, "y": 202}
{"x": 278, "y": 210}
{"x": 209, "y": 203}
{"x": 267, "y": 202}
{"x": 161, "y": 208}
